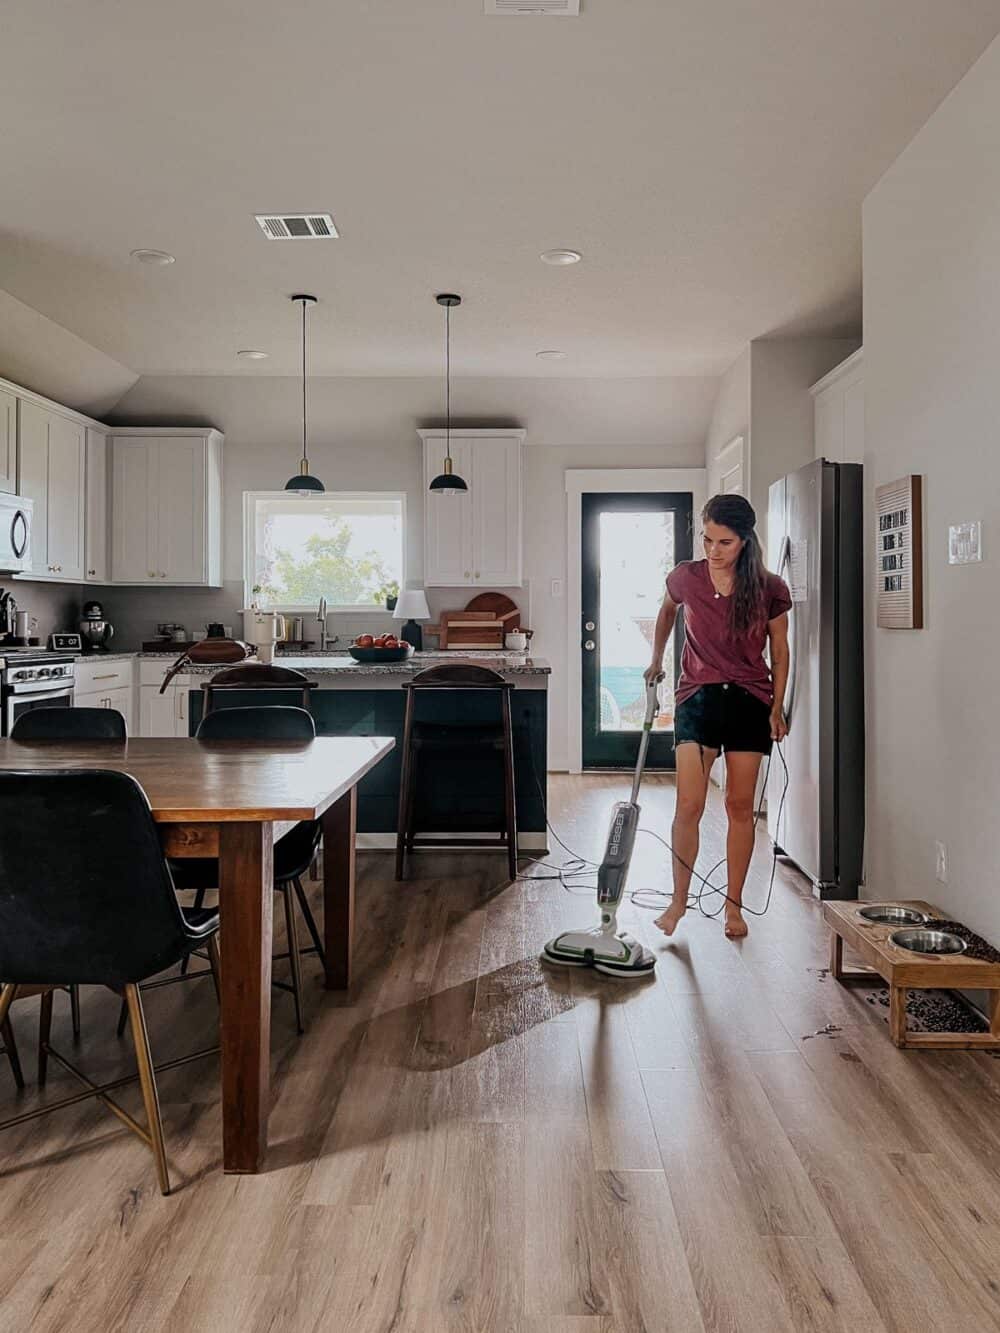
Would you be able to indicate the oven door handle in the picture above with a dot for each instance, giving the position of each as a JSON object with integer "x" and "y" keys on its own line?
{"x": 39, "y": 696}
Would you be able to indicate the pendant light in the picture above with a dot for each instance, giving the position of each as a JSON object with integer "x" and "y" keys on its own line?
{"x": 304, "y": 482}
{"x": 448, "y": 482}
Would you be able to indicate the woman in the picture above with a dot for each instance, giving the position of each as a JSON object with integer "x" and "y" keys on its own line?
{"x": 728, "y": 700}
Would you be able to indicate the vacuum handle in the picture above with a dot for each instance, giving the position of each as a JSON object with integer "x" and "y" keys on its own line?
{"x": 652, "y": 709}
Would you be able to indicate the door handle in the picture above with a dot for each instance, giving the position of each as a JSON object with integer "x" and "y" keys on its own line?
{"x": 590, "y": 645}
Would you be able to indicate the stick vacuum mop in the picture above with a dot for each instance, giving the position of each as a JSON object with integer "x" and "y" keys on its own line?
{"x": 614, "y": 952}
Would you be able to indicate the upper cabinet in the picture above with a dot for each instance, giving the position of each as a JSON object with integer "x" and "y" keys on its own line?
{"x": 166, "y": 504}
{"x": 474, "y": 539}
{"x": 8, "y": 442}
{"x": 51, "y": 472}
{"x": 95, "y": 533}
{"x": 839, "y": 403}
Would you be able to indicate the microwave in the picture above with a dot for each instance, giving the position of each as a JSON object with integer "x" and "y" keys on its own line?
{"x": 15, "y": 534}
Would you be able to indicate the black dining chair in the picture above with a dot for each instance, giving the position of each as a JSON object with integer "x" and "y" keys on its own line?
{"x": 293, "y": 853}
{"x": 255, "y": 676}
{"x": 70, "y": 724}
{"x": 70, "y": 916}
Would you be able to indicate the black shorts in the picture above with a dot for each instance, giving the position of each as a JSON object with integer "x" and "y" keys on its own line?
{"x": 724, "y": 717}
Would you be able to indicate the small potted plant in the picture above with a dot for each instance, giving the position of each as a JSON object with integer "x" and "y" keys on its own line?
{"x": 388, "y": 593}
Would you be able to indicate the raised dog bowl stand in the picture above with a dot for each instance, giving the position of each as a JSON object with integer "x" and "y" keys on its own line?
{"x": 901, "y": 970}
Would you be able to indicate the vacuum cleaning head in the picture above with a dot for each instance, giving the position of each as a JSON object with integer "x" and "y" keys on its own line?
{"x": 620, "y": 955}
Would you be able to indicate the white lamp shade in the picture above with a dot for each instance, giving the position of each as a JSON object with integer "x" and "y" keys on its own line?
{"x": 411, "y": 604}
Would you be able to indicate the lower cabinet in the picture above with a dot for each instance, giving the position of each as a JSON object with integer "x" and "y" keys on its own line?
{"x": 101, "y": 684}
{"x": 163, "y": 714}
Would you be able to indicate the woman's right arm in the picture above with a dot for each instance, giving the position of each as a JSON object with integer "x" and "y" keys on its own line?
{"x": 664, "y": 624}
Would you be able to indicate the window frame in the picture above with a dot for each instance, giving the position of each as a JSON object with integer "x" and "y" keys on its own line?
{"x": 250, "y": 499}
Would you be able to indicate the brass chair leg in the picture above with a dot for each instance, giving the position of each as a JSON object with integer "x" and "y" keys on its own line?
{"x": 44, "y": 1036}
{"x": 215, "y": 963}
{"x": 147, "y": 1080}
{"x": 285, "y": 890}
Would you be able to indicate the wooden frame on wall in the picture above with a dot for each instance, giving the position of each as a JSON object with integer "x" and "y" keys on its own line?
{"x": 899, "y": 553}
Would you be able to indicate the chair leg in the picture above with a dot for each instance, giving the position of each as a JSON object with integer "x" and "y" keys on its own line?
{"x": 147, "y": 1080}
{"x": 215, "y": 963}
{"x": 122, "y": 1017}
{"x": 293, "y": 952}
{"x": 44, "y": 1036}
{"x": 199, "y": 901}
{"x": 74, "y": 1008}
{"x": 7, "y": 993}
{"x": 309, "y": 919}
{"x": 510, "y": 810}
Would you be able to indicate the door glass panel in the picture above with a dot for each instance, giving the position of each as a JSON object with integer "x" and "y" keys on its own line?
{"x": 636, "y": 554}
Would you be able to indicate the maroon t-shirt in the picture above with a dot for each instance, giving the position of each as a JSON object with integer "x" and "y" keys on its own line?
{"x": 713, "y": 654}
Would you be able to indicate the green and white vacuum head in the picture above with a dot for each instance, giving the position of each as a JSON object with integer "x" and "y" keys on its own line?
{"x": 605, "y": 948}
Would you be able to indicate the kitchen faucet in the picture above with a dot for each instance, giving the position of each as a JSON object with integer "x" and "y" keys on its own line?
{"x": 324, "y": 639}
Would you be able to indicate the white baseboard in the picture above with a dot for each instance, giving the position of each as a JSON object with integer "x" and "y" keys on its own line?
{"x": 380, "y": 842}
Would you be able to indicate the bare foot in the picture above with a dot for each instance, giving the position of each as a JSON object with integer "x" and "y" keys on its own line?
{"x": 668, "y": 922}
{"x": 736, "y": 927}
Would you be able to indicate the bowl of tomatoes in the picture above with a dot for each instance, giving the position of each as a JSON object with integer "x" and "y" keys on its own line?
{"x": 380, "y": 648}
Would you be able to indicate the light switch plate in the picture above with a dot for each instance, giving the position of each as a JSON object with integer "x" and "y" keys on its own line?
{"x": 965, "y": 544}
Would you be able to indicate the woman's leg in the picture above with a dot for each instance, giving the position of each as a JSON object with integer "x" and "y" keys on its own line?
{"x": 694, "y": 764}
{"x": 742, "y": 768}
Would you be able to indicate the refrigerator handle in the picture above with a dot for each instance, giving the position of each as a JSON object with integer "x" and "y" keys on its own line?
{"x": 784, "y": 572}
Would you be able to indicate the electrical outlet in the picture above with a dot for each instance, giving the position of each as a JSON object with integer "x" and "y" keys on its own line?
{"x": 556, "y": 587}
{"x": 941, "y": 862}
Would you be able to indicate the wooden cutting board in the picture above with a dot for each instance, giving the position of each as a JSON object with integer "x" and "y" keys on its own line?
{"x": 500, "y": 606}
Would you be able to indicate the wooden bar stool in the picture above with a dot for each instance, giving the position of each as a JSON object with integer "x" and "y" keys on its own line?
{"x": 255, "y": 676}
{"x": 421, "y": 737}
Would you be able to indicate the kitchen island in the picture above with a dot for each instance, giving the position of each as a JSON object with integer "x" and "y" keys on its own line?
{"x": 463, "y": 795}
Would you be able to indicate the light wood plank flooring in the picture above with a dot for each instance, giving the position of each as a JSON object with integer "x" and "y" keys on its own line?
{"x": 469, "y": 1142}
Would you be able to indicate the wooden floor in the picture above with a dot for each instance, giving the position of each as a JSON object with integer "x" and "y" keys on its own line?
{"x": 468, "y": 1142}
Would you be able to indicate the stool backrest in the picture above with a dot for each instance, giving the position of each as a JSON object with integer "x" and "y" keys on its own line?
{"x": 86, "y": 896}
{"x": 70, "y": 724}
{"x": 458, "y": 676}
{"x": 261, "y": 676}
{"x": 275, "y": 723}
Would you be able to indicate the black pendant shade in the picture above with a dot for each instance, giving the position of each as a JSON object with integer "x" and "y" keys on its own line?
{"x": 304, "y": 482}
{"x": 448, "y": 482}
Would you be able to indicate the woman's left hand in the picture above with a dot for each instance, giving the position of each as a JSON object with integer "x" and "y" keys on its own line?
{"x": 779, "y": 727}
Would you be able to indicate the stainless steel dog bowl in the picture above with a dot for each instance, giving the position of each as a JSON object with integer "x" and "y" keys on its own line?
{"x": 922, "y": 940}
{"x": 893, "y": 916}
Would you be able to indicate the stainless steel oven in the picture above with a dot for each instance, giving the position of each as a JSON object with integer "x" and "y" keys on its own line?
{"x": 33, "y": 678}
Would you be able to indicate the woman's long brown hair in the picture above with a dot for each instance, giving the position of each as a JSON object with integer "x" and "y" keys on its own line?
{"x": 747, "y": 605}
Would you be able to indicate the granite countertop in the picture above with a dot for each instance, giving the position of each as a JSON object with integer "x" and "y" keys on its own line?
{"x": 325, "y": 664}
{"x": 104, "y": 657}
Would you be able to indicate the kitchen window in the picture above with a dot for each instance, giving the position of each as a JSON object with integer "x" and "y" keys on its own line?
{"x": 346, "y": 546}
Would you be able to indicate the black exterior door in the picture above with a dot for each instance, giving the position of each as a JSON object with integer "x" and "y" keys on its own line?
{"x": 630, "y": 544}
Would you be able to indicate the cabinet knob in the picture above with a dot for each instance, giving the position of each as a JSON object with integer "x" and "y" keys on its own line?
{"x": 91, "y": 572}
{"x": 476, "y": 575}
{"x": 467, "y": 575}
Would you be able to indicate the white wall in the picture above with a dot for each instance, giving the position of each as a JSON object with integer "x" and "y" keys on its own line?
{"x": 932, "y": 351}
{"x": 363, "y": 436}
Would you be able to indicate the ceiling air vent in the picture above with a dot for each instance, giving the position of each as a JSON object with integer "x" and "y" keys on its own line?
{"x": 297, "y": 226}
{"x": 559, "y": 8}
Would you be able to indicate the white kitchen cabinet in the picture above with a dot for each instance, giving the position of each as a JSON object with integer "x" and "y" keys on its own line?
{"x": 474, "y": 539}
{"x": 163, "y": 714}
{"x": 839, "y": 405}
{"x": 51, "y": 472}
{"x": 8, "y": 442}
{"x": 95, "y": 534}
{"x": 99, "y": 683}
{"x": 166, "y": 507}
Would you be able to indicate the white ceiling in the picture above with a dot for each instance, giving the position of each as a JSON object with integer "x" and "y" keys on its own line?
{"x": 709, "y": 157}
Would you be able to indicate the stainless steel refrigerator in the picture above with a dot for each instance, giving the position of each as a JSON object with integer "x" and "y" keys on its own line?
{"x": 815, "y": 540}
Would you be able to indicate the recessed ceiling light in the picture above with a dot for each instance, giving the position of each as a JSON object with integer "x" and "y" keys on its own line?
{"x": 551, "y": 354}
{"x": 560, "y": 257}
{"x": 251, "y": 354}
{"x": 152, "y": 257}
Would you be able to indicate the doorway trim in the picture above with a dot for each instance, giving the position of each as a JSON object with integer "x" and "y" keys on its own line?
{"x": 580, "y": 481}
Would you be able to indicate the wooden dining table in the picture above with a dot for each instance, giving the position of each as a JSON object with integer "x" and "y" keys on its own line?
{"x": 232, "y": 800}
